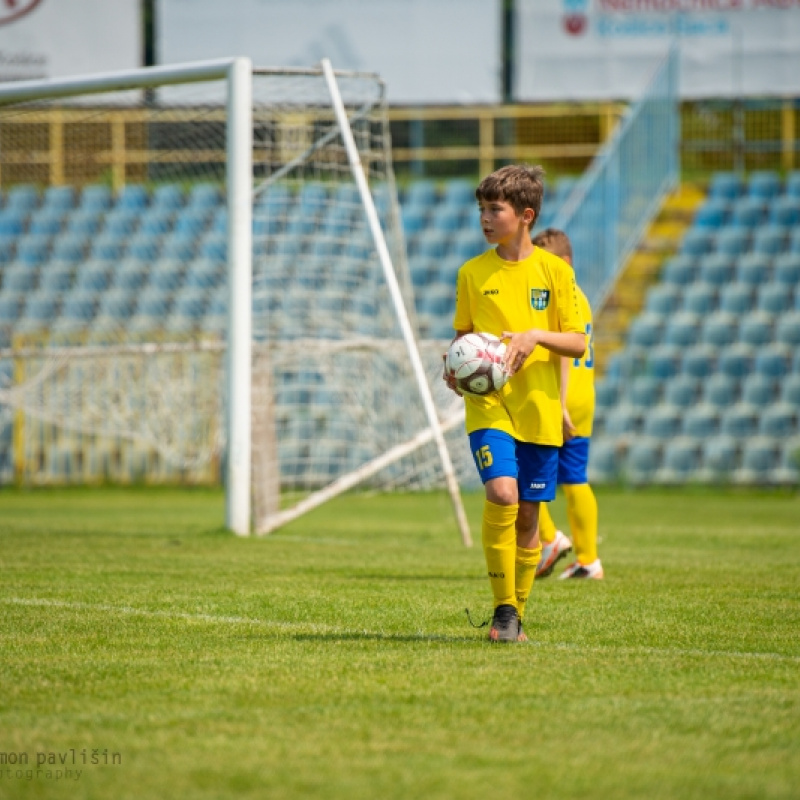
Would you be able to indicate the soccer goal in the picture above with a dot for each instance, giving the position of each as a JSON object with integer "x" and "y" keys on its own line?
{"x": 205, "y": 275}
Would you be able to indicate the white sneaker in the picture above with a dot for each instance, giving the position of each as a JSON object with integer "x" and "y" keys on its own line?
{"x": 593, "y": 571}
{"x": 552, "y": 553}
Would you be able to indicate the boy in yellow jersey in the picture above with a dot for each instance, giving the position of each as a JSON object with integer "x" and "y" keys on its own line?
{"x": 527, "y": 296}
{"x": 573, "y": 457}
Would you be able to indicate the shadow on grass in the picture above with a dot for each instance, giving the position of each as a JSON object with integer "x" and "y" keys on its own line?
{"x": 385, "y": 637}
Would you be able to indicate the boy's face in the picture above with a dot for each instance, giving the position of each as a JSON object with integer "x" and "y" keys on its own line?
{"x": 500, "y": 223}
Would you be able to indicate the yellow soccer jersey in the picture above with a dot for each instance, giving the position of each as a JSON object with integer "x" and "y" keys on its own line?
{"x": 580, "y": 388}
{"x": 495, "y": 296}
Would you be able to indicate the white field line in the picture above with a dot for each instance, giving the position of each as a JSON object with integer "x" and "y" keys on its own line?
{"x": 301, "y": 627}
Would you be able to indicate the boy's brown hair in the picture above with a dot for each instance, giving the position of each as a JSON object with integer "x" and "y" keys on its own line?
{"x": 554, "y": 241}
{"x": 518, "y": 185}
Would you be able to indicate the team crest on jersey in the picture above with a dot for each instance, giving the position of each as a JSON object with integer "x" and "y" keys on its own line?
{"x": 539, "y": 299}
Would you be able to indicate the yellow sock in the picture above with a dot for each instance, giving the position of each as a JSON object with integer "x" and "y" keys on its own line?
{"x": 547, "y": 528}
{"x": 525, "y": 572}
{"x": 582, "y": 515}
{"x": 499, "y": 545}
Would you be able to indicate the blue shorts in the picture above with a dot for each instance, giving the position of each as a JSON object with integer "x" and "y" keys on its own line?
{"x": 499, "y": 455}
{"x": 573, "y": 461}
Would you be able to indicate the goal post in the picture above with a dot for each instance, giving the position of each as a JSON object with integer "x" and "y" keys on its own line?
{"x": 242, "y": 304}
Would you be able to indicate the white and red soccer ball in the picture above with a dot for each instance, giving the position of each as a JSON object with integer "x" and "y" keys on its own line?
{"x": 475, "y": 361}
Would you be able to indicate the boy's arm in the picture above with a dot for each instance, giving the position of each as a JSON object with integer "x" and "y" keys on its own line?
{"x": 521, "y": 345}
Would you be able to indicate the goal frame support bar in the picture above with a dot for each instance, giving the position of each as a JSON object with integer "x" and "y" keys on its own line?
{"x": 357, "y": 169}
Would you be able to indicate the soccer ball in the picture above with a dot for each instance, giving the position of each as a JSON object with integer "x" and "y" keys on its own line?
{"x": 475, "y": 360}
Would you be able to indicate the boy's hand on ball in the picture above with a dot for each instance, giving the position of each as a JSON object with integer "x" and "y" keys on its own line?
{"x": 448, "y": 377}
{"x": 518, "y": 348}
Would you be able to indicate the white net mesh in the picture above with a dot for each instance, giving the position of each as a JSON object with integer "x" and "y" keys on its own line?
{"x": 113, "y": 302}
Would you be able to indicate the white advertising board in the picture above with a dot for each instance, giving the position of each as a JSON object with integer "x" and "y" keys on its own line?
{"x": 427, "y": 51}
{"x": 607, "y": 49}
{"x": 56, "y": 38}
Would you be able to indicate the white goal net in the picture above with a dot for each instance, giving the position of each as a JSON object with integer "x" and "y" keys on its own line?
{"x": 116, "y": 243}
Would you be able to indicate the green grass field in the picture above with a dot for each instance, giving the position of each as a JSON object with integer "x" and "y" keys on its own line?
{"x": 334, "y": 659}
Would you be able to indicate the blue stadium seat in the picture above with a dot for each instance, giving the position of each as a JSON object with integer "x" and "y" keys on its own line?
{"x": 681, "y": 461}
{"x": 133, "y": 197}
{"x": 643, "y": 391}
{"x": 713, "y": 214}
{"x": 682, "y": 391}
{"x": 414, "y": 219}
{"x": 663, "y": 422}
{"x": 785, "y": 211}
{"x": 10, "y": 307}
{"x": 467, "y": 245}
{"x": 682, "y": 329}
{"x": 697, "y": 242}
{"x": 8, "y": 249}
{"x": 107, "y": 247}
{"x": 143, "y": 247}
{"x": 718, "y": 269}
{"x": 646, "y": 329}
{"x": 770, "y": 240}
{"x": 424, "y": 271}
{"x": 623, "y": 421}
{"x": 214, "y": 247}
{"x": 728, "y": 185}
{"x": 753, "y": 269}
{"x": 422, "y": 194}
{"x": 603, "y": 461}
{"x": 748, "y": 212}
{"x": 96, "y": 198}
{"x": 78, "y": 306}
{"x": 642, "y": 460}
{"x": 118, "y": 304}
{"x": 84, "y": 222}
{"x": 205, "y": 274}
{"x": 70, "y": 248}
{"x": 627, "y": 362}
{"x": 433, "y": 244}
{"x": 449, "y": 218}
{"x": 459, "y": 193}
{"x": 19, "y": 277}
{"x": 130, "y": 275}
{"x": 606, "y": 392}
{"x": 192, "y": 220}
{"x": 167, "y": 197}
{"x": 701, "y": 421}
{"x": 663, "y": 361}
{"x": 786, "y": 269}
{"x": 179, "y": 246}
{"x": 736, "y": 298}
{"x": 779, "y": 420}
{"x": 699, "y": 298}
{"x": 93, "y": 276}
{"x": 788, "y": 470}
{"x": 156, "y": 221}
{"x": 40, "y": 310}
{"x": 219, "y": 220}
{"x": 732, "y": 241}
{"x": 794, "y": 241}
{"x": 737, "y": 360}
{"x": 56, "y": 278}
{"x": 46, "y": 222}
{"x": 790, "y": 390}
{"x": 33, "y": 249}
{"x": 720, "y": 391}
{"x": 191, "y": 304}
{"x": 205, "y": 196}
{"x": 756, "y": 328}
{"x": 758, "y": 390}
{"x": 763, "y": 184}
{"x": 312, "y": 199}
{"x": 773, "y": 298}
{"x": 740, "y": 420}
{"x": 13, "y": 222}
{"x": 759, "y": 456}
{"x": 166, "y": 275}
{"x": 153, "y": 303}
{"x": 663, "y": 298}
{"x": 680, "y": 270}
{"x": 23, "y": 197}
{"x": 791, "y": 186}
{"x": 720, "y": 457}
{"x": 774, "y": 360}
{"x": 787, "y": 329}
{"x": 120, "y": 222}
{"x": 720, "y": 329}
{"x": 59, "y": 198}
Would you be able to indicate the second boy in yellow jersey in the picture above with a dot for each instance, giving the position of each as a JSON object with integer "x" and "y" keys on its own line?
{"x": 573, "y": 458}
{"x": 528, "y": 297}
